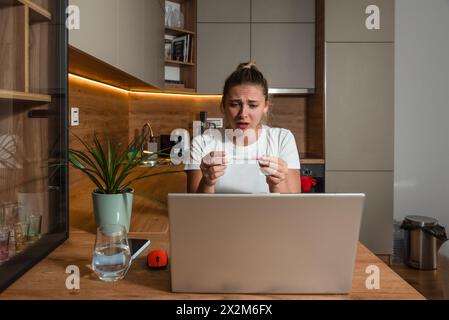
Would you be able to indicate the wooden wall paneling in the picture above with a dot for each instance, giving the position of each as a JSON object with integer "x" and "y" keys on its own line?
{"x": 315, "y": 102}
{"x": 12, "y": 48}
{"x": 168, "y": 112}
{"x": 38, "y": 57}
{"x": 102, "y": 110}
{"x": 290, "y": 113}
{"x": 105, "y": 112}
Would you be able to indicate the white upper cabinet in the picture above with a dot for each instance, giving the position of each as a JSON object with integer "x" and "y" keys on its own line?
{"x": 359, "y": 106}
{"x": 130, "y": 37}
{"x": 359, "y": 20}
{"x": 127, "y": 34}
{"x": 221, "y": 47}
{"x": 279, "y": 35}
{"x": 153, "y": 39}
{"x": 283, "y": 11}
{"x": 287, "y": 63}
{"x": 224, "y": 11}
{"x": 97, "y": 35}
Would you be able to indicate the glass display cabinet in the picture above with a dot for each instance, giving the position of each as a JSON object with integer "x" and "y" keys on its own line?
{"x": 33, "y": 133}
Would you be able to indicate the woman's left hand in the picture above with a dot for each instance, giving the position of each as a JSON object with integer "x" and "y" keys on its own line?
{"x": 275, "y": 170}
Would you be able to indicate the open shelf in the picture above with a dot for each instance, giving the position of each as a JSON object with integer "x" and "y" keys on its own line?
{"x": 179, "y": 63}
{"x": 37, "y": 13}
{"x": 177, "y": 31}
{"x": 179, "y": 70}
{"x": 24, "y": 96}
{"x": 24, "y": 64}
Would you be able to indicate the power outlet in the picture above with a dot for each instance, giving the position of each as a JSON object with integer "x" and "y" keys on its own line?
{"x": 74, "y": 117}
{"x": 215, "y": 123}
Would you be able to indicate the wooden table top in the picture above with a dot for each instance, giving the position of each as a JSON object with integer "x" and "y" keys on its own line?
{"x": 46, "y": 280}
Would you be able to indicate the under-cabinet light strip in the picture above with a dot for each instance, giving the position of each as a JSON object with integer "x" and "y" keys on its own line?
{"x": 71, "y": 75}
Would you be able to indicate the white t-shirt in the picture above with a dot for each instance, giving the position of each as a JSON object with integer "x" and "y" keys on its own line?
{"x": 243, "y": 175}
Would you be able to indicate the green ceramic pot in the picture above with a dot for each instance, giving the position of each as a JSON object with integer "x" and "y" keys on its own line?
{"x": 113, "y": 208}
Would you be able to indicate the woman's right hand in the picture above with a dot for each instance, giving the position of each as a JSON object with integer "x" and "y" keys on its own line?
{"x": 213, "y": 166}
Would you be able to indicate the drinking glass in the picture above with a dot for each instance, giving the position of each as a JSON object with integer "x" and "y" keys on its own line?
{"x": 112, "y": 255}
{"x": 35, "y": 225}
{"x": 21, "y": 235}
{"x": 4, "y": 244}
{"x": 10, "y": 214}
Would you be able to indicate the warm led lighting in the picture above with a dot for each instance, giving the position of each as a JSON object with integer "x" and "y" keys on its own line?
{"x": 209, "y": 96}
{"x": 98, "y": 83}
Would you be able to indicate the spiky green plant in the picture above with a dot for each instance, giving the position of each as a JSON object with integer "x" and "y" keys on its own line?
{"x": 111, "y": 168}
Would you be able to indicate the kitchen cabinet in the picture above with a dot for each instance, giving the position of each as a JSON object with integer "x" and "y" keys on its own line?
{"x": 345, "y": 21}
{"x": 97, "y": 35}
{"x": 376, "y": 231}
{"x": 127, "y": 34}
{"x": 224, "y": 11}
{"x": 280, "y": 38}
{"x": 359, "y": 106}
{"x": 282, "y": 11}
{"x": 153, "y": 57}
{"x": 182, "y": 67}
{"x": 359, "y": 116}
{"x": 140, "y": 42}
{"x": 130, "y": 35}
{"x": 153, "y": 44}
{"x": 285, "y": 52}
{"x": 33, "y": 134}
{"x": 221, "y": 47}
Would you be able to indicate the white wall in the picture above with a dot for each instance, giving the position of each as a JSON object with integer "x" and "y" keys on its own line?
{"x": 421, "y": 184}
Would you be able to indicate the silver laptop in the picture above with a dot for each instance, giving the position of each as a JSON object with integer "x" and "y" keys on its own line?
{"x": 264, "y": 243}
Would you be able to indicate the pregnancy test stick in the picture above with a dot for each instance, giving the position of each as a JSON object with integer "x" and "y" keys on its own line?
{"x": 243, "y": 158}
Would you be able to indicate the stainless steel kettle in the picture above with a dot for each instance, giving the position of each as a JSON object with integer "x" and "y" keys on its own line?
{"x": 423, "y": 237}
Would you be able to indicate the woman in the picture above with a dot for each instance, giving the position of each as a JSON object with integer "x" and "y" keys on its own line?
{"x": 252, "y": 157}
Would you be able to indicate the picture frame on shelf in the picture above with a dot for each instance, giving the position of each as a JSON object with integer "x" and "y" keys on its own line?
{"x": 174, "y": 18}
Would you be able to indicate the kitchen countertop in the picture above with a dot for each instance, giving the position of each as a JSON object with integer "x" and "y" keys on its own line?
{"x": 47, "y": 279}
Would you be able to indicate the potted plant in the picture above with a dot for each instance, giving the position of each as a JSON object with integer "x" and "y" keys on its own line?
{"x": 113, "y": 170}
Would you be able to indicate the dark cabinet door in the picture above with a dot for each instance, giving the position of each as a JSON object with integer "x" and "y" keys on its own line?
{"x": 33, "y": 135}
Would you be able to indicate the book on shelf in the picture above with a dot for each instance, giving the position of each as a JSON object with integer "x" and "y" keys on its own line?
{"x": 190, "y": 50}
{"x": 174, "y": 81}
{"x": 168, "y": 49}
{"x": 178, "y": 48}
{"x": 182, "y": 48}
